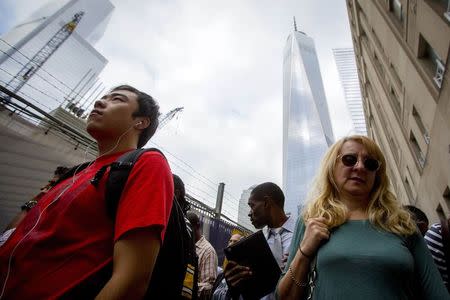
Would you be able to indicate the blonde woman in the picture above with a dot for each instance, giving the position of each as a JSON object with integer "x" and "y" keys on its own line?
{"x": 366, "y": 244}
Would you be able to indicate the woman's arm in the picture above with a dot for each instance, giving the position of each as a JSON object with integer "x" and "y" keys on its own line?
{"x": 293, "y": 284}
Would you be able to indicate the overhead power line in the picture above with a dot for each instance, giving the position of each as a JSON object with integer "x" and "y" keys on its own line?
{"x": 214, "y": 186}
{"x": 37, "y": 74}
{"x": 34, "y": 88}
{"x": 65, "y": 94}
{"x": 185, "y": 163}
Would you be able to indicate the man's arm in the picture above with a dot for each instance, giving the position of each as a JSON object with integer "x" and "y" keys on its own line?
{"x": 235, "y": 275}
{"x": 133, "y": 260}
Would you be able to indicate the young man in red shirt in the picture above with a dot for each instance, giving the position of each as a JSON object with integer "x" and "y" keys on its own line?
{"x": 68, "y": 246}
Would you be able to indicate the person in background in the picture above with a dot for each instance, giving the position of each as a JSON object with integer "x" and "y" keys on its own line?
{"x": 438, "y": 242}
{"x": 175, "y": 272}
{"x": 25, "y": 208}
{"x": 180, "y": 193}
{"x": 266, "y": 204}
{"x": 207, "y": 258}
{"x": 419, "y": 217}
{"x": 364, "y": 244}
{"x": 220, "y": 287}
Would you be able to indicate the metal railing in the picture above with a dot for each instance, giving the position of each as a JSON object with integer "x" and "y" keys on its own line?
{"x": 18, "y": 105}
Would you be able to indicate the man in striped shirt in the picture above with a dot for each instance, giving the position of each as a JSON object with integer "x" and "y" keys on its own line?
{"x": 436, "y": 244}
{"x": 207, "y": 259}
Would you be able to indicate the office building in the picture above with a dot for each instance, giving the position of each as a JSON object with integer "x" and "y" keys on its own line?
{"x": 402, "y": 53}
{"x": 348, "y": 74}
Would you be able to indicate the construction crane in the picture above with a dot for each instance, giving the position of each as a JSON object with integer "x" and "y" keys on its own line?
{"x": 36, "y": 62}
{"x": 163, "y": 120}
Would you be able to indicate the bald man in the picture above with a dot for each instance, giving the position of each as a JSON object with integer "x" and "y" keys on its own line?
{"x": 220, "y": 288}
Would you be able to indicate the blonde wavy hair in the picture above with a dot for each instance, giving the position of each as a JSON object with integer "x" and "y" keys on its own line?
{"x": 384, "y": 211}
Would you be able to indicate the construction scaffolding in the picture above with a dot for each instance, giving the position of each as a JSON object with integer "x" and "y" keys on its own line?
{"x": 39, "y": 59}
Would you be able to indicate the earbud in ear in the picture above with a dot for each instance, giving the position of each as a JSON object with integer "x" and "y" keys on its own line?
{"x": 138, "y": 123}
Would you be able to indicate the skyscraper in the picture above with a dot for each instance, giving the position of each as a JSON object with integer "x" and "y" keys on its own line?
{"x": 348, "y": 74}
{"x": 244, "y": 209}
{"x": 55, "y": 67}
{"x": 402, "y": 49}
{"x": 307, "y": 131}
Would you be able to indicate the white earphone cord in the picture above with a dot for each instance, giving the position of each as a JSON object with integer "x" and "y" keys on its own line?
{"x": 69, "y": 186}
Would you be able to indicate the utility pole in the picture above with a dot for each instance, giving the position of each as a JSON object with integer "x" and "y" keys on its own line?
{"x": 219, "y": 200}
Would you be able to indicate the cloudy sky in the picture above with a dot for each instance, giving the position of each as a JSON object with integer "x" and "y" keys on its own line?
{"x": 221, "y": 61}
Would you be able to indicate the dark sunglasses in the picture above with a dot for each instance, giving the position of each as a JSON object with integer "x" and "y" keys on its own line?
{"x": 350, "y": 160}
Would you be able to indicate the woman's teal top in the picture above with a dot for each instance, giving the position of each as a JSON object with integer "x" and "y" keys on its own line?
{"x": 360, "y": 261}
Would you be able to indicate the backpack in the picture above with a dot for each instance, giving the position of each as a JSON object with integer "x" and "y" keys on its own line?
{"x": 175, "y": 274}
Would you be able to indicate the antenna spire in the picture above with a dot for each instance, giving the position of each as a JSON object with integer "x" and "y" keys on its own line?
{"x": 295, "y": 25}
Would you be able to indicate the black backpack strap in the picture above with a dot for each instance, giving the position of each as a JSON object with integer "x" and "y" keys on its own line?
{"x": 95, "y": 181}
{"x": 118, "y": 176}
{"x": 71, "y": 172}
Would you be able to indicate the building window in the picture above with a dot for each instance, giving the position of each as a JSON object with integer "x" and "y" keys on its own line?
{"x": 432, "y": 61}
{"x": 446, "y": 197}
{"x": 361, "y": 12}
{"x": 442, "y": 7}
{"x": 363, "y": 33}
{"x": 441, "y": 213}
{"x": 395, "y": 75}
{"x": 377, "y": 42}
{"x": 379, "y": 67}
{"x": 420, "y": 156}
{"x": 378, "y": 63}
{"x": 409, "y": 190}
{"x": 447, "y": 13}
{"x": 365, "y": 90}
{"x": 419, "y": 123}
{"x": 395, "y": 101}
{"x": 395, "y": 6}
{"x": 364, "y": 40}
{"x": 394, "y": 148}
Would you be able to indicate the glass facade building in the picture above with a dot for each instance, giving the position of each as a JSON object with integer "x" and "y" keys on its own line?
{"x": 244, "y": 209}
{"x": 71, "y": 72}
{"x": 307, "y": 130}
{"x": 348, "y": 74}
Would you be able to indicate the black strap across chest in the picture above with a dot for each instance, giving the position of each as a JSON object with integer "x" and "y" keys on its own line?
{"x": 119, "y": 171}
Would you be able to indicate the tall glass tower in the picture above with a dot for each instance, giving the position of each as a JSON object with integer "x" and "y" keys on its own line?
{"x": 348, "y": 73}
{"x": 307, "y": 130}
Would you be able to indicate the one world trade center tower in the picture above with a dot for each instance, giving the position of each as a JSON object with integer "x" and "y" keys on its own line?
{"x": 307, "y": 131}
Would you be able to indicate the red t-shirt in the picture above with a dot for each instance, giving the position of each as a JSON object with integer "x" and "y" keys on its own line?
{"x": 63, "y": 252}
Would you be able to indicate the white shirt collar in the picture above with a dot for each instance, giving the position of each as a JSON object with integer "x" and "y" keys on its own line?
{"x": 288, "y": 225}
